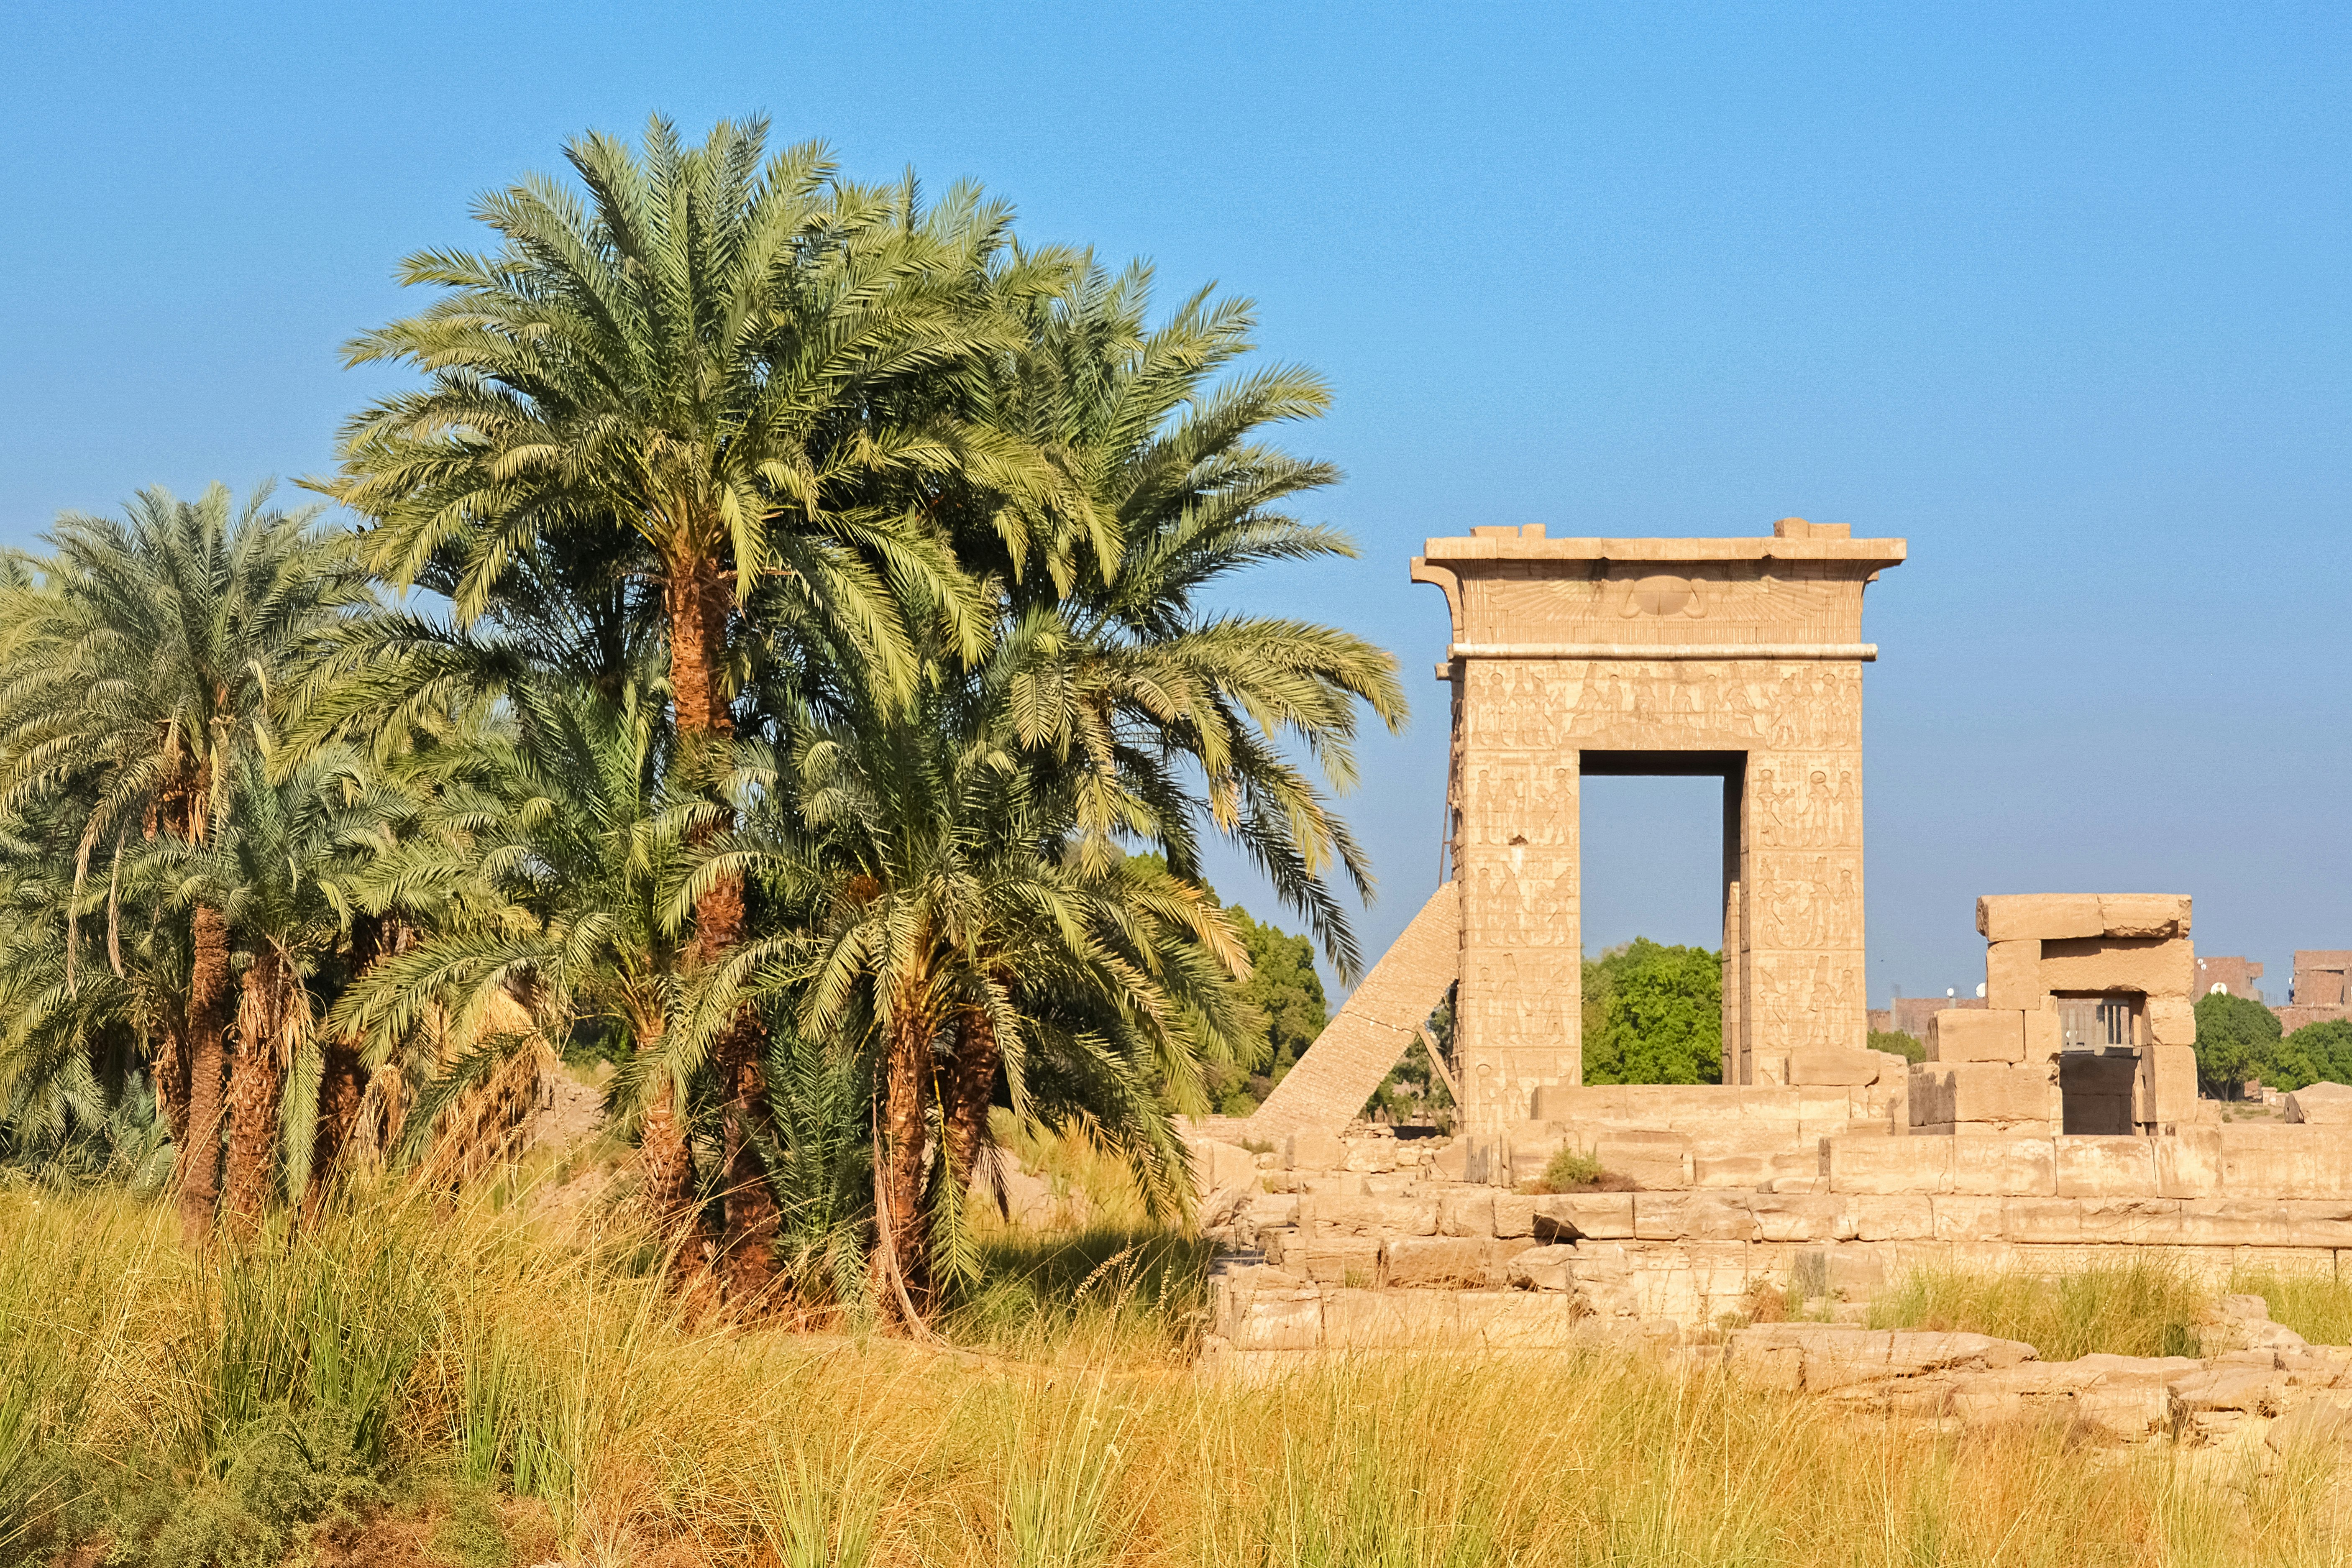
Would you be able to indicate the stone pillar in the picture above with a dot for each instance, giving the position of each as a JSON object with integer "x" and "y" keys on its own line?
{"x": 1521, "y": 1001}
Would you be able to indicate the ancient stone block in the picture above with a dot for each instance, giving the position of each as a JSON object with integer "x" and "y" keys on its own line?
{"x": 1788, "y": 1218}
{"x": 2144, "y": 914}
{"x": 1515, "y": 1215}
{"x": 1335, "y": 1216}
{"x": 1217, "y": 1165}
{"x": 1971, "y": 1218}
{"x": 1353, "y": 1260}
{"x": 1984, "y": 1092}
{"x": 1313, "y": 1149}
{"x": 1290, "y": 1322}
{"x": 1542, "y": 1267}
{"x": 1692, "y": 1216}
{"x": 2017, "y": 916}
{"x": 2013, "y": 973}
{"x": 1459, "y": 1261}
{"x": 1834, "y": 1065}
{"x": 1657, "y": 1160}
{"x": 2045, "y": 1033}
{"x": 2106, "y": 1167}
{"x": 2008, "y": 1166}
{"x": 1467, "y": 1213}
{"x": 1584, "y": 1216}
{"x": 1874, "y": 1218}
{"x": 1390, "y": 1320}
{"x": 2171, "y": 1021}
{"x": 2189, "y": 1163}
{"x": 2167, "y": 1084}
{"x": 1976, "y": 1034}
{"x": 1890, "y": 1165}
{"x": 2155, "y": 966}
{"x": 2321, "y": 1105}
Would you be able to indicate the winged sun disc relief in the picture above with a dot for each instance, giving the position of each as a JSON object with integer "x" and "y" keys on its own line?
{"x": 1663, "y": 595}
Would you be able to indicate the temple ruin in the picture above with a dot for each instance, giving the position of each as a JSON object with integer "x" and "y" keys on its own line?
{"x": 2054, "y": 1122}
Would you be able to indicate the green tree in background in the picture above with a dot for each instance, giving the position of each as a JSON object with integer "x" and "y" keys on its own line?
{"x": 2316, "y": 1053}
{"x": 1283, "y": 986}
{"x": 1654, "y": 1015}
{"x": 2237, "y": 1038}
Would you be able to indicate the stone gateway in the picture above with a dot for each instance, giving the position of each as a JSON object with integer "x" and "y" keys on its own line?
{"x": 1734, "y": 658}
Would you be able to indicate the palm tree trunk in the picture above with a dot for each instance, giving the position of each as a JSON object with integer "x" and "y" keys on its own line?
{"x": 256, "y": 1086}
{"x": 900, "y": 1254}
{"x": 698, "y": 604}
{"x": 343, "y": 1079}
{"x": 662, "y": 1151}
{"x": 970, "y": 1086}
{"x": 171, "y": 1070}
{"x": 199, "y": 1159}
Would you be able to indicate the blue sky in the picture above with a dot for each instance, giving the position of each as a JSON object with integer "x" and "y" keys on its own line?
{"x": 2056, "y": 293}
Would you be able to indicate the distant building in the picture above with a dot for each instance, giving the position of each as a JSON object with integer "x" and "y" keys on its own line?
{"x": 2319, "y": 992}
{"x": 1910, "y": 1014}
{"x": 2233, "y": 975}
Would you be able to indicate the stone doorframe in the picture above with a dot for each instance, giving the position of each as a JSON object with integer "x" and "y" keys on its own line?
{"x": 1737, "y": 657}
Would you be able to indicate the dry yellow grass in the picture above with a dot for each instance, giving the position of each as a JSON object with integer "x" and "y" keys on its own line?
{"x": 559, "y": 1374}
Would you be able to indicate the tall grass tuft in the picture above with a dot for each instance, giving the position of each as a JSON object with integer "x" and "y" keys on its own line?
{"x": 2316, "y": 1306}
{"x": 2145, "y": 1306}
{"x": 563, "y": 1372}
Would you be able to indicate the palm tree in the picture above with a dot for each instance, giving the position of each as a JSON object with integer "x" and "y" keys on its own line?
{"x": 138, "y": 673}
{"x": 543, "y": 865}
{"x": 728, "y": 358}
{"x": 944, "y": 925}
{"x": 279, "y": 865}
{"x": 1132, "y": 679}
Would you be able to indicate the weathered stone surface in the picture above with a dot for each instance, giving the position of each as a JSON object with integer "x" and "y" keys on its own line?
{"x": 1789, "y": 1217}
{"x": 2171, "y": 1021}
{"x": 2013, "y": 974}
{"x": 2167, "y": 1089}
{"x": 2155, "y": 966}
{"x": 1584, "y": 1216}
{"x": 1542, "y": 1267}
{"x": 1313, "y": 1149}
{"x": 1337, "y": 1217}
{"x": 2016, "y": 917}
{"x": 1217, "y": 1165}
{"x": 2005, "y": 1166}
{"x": 2045, "y": 1034}
{"x": 2321, "y": 1105}
{"x": 1975, "y": 1035}
{"x": 1464, "y": 1262}
{"x": 1353, "y": 1260}
{"x": 1328, "y": 1085}
{"x": 1834, "y": 1357}
{"x": 1834, "y": 1065}
{"x": 1470, "y": 1213}
{"x": 2144, "y": 914}
{"x": 1692, "y": 1216}
{"x": 1889, "y": 1218}
{"x": 1983, "y": 1091}
{"x": 2106, "y": 1167}
{"x": 1890, "y": 1166}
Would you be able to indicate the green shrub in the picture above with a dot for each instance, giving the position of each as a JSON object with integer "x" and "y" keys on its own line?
{"x": 1570, "y": 1171}
{"x": 1909, "y": 1046}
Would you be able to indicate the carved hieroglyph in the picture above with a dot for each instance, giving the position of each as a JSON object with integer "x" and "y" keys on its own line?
{"x": 1741, "y": 656}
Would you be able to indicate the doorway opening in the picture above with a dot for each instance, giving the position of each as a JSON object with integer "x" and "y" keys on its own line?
{"x": 1658, "y": 850}
{"x": 2099, "y": 1067}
